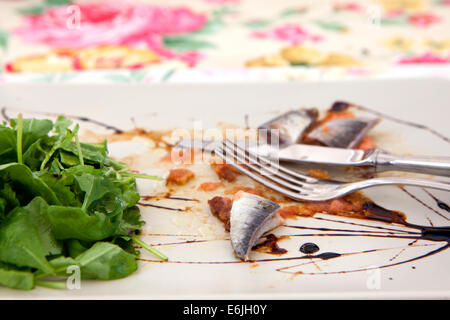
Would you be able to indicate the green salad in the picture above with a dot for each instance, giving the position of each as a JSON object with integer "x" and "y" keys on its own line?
{"x": 62, "y": 204}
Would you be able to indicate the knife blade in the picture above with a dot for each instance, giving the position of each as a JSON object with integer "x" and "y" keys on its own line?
{"x": 301, "y": 153}
{"x": 373, "y": 160}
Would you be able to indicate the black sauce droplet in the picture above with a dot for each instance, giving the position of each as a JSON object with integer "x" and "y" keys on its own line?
{"x": 309, "y": 248}
{"x": 327, "y": 255}
{"x": 443, "y": 206}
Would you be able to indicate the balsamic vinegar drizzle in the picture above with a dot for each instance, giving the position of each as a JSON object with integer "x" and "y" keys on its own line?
{"x": 365, "y": 268}
{"x": 426, "y": 205}
{"x": 365, "y": 225}
{"x": 350, "y": 231}
{"x": 4, "y": 115}
{"x": 161, "y": 207}
{"x": 181, "y": 198}
{"x": 101, "y": 124}
{"x": 323, "y": 256}
{"x": 79, "y": 118}
{"x": 439, "y": 203}
{"x": 353, "y": 235}
{"x": 166, "y": 196}
{"x": 399, "y": 253}
{"x": 376, "y": 212}
{"x": 176, "y": 243}
{"x": 435, "y": 234}
{"x": 167, "y": 235}
{"x": 405, "y": 122}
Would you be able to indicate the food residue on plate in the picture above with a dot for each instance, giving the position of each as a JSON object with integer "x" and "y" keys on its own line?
{"x": 214, "y": 183}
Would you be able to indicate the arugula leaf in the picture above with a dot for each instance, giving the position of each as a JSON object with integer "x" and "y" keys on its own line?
{"x": 106, "y": 261}
{"x": 76, "y": 247}
{"x": 61, "y": 263}
{"x": 2, "y": 209}
{"x": 32, "y": 130}
{"x": 20, "y": 241}
{"x": 7, "y": 145}
{"x": 19, "y": 133}
{"x": 63, "y": 203}
{"x": 26, "y": 184}
{"x": 93, "y": 153}
{"x": 11, "y": 277}
{"x": 36, "y": 153}
{"x": 63, "y": 138}
{"x": 127, "y": 244}
{"x": 61, "y": 186}
{"x": 62, "y": 124}
{"x": 9, "y": 197}
{"x": 95, "y": 187}
{"x": 38, "y": 214}
{"x": 68, "y": 159}
{"x": 74, "y": 223}
{"x": 131, "y": 221}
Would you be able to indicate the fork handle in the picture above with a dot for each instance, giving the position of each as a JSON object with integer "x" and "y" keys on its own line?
{"x": 439, "y": 166}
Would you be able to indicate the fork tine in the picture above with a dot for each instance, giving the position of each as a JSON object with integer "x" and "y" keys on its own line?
{"x": 267, "y": 171}
{"x": 294, "y": 195}
{"x": 259, "y": 170}
{"x": 275, "y": 169}
{"x": 275, "y": 165}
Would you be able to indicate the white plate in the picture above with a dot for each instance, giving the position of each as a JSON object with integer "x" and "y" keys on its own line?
{"x": 168, "y": 106}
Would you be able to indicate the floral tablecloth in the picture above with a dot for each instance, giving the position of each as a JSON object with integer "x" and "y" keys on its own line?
{"x": 222, "y": 40}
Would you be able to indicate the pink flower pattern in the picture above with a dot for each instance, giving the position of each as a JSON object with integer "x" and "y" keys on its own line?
{"x": 291, "y": 33}
{"x": 423, "y": 19}
{"x": 114, "y": 23}
{"x": 166, "y": 30}
{"x": 428, "y": 58}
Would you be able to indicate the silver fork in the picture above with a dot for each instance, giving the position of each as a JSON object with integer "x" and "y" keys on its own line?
{"x": 300, "y": 187}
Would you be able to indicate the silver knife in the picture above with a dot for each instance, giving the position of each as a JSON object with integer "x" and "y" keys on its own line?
{"x": 374, "y": 159}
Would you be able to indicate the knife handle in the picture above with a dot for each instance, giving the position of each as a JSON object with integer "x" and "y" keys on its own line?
{"x": 439, "y": 166}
